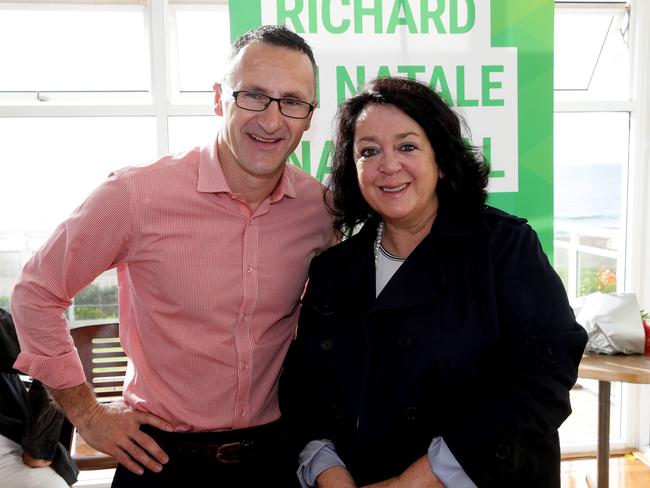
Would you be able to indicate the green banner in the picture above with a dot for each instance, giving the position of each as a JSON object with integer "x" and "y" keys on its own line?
{"x": 491, "y": 60}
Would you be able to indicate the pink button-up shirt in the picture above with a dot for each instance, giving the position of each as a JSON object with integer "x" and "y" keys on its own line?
{"x": 208, "y": 290}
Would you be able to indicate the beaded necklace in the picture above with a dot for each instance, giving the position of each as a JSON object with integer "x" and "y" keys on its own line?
{"x": 380, "y": 231}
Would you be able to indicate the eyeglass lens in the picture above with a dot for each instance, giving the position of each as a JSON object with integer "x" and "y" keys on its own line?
{"x": 258, "y": 102}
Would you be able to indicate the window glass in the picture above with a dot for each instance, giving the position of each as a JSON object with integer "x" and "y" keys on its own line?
{"x": 96, "y": 303}
{"x": 596, "y": 273}
{"x": 188, "y": 132}
{"x": 592, "y": 63}
{"x": 591, "y": 54}
{"x": 600, "y": 242}
{"x": 590, "y": 160}
{"x": 582, "y": 426}
{"x": 561, "y": 264}
{"x": 78, "y": 48}
{"x": 10, "y": 264}
{"x": 55, "y": 163}
{"x": 202, "y": 45}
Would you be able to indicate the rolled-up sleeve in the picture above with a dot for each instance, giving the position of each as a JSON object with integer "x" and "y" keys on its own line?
{"x": 445, "y": 466}
{"x": 94, "y": 239}
{"x": 316, "y": 457}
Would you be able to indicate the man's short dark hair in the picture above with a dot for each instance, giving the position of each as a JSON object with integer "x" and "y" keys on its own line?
{"x": 276, "y": 35}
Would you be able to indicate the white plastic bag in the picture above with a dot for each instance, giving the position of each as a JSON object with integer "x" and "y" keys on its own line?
{"x": 612, "y": 321}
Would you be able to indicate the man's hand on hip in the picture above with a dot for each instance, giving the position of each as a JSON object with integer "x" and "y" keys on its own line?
{"x": 114, "y": 428}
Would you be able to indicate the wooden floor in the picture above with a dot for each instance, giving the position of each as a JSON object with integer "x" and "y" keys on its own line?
{"x": 624, "y": 472}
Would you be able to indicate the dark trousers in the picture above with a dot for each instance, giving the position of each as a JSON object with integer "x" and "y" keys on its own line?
{"x": 254, "y": 457}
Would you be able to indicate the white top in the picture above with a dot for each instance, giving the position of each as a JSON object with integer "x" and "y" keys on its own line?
{"x": 387, "y": 265}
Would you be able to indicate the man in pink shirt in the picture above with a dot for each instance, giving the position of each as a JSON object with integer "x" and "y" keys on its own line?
{"x": 212, "y": 249}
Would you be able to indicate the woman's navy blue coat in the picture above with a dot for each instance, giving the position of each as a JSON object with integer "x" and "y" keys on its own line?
{"x": 472, "y": 339}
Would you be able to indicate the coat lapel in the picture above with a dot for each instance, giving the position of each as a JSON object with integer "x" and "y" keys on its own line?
{"x": 421, "y": 277}
{"x": 418, "y": 280}
{"x": 357, "y": 286}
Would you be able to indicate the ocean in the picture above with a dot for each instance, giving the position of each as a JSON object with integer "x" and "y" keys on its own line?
{"x": 589, "y": 194}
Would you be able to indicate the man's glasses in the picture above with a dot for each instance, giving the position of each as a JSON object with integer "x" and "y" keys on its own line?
{"x": 257, "y": 102}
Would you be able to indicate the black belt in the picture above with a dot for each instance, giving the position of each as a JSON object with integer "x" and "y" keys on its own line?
{"x": 223, "y": 447}
{"x": 230, "y": 453}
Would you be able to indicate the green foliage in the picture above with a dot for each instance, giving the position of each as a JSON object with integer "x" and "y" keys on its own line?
{"x": 4, "y": 301}
{"x": 91, "y": 313}
{"x": 97, "y": 295}
{"x": 96, "y": 302}
{"x": 601, "y": 279}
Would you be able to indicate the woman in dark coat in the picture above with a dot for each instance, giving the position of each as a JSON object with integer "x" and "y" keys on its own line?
{"x": 436, "y": 346}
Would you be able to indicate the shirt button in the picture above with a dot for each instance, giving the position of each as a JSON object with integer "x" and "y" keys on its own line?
{"x": 249, "y": 269}
{"x": 244, "y": 366}
{"x": 242, "y": 413}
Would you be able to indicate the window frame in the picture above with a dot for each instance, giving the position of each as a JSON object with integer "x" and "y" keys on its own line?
{"x": 32, "y": 102}
{"x": 638, "y": 211}
{"x": 161, "y": 101}
{"x": 635, "y": 228}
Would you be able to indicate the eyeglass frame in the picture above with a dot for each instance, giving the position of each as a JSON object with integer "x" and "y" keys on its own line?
{"x": 235, "y": 94}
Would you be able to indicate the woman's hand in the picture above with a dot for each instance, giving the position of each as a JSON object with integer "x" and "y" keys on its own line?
{"x": 335, "y": 477}
{"x": 417, "y": 475}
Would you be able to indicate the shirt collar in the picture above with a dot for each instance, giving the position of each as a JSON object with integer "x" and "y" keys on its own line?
{"x": 212, "y": 179}
{"x": 285, "y": 187}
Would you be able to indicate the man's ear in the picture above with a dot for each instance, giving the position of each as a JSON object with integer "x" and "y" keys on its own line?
{"x": 311, "y": 114}
{"x": 218, "y": 102}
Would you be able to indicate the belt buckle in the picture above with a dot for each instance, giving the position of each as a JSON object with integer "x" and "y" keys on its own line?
{"x": 229, "y": 453}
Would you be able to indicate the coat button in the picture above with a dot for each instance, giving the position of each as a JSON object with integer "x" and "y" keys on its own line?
{"x": 550, "y": 355}
{"x": 410, "y": 414}
{"x": 325, "y": 306}
{"x": 335, "y": 410}
{"x": 404, "y": 341}
{"x": 326, "y": 345}
{"x": 502, "y": 451}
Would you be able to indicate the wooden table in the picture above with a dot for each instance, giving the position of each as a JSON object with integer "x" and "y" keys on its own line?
{"x": 605, "y": 369}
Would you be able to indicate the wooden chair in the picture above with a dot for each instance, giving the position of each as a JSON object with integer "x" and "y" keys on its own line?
{"x": 104, "y": 364}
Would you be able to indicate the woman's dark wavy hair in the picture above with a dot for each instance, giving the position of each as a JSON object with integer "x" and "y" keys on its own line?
{"x": 462, "y": 189}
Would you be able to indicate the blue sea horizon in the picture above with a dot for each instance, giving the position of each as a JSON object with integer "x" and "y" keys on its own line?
{"x": 588, "y": 194}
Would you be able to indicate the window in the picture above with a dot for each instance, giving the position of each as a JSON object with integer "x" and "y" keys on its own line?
{"x": 102, "y": 62}
{"x": 600, "y": 58}
{"x": 78, "y": 101}
{"x": 189, "y": 131}
{"x": 594, "y": 65}
{"x": 590, "y": 193}
{"x": 202, "y": 44}
{"x": 57, "y": 161}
